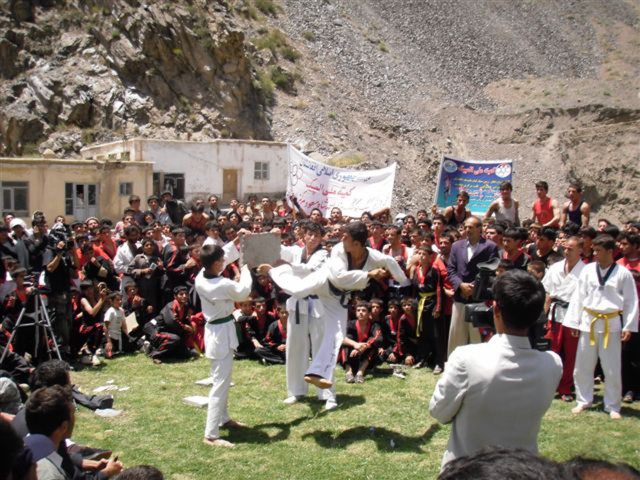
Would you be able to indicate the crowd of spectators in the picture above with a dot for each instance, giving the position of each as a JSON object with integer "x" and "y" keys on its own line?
{"x": 114, "y": 286}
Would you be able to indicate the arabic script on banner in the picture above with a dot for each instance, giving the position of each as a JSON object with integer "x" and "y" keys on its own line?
{"x": 321, "y": 186}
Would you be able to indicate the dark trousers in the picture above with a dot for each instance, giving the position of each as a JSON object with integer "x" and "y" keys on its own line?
{"x": 631, "y": 364}
{"x": 271, "y": 355}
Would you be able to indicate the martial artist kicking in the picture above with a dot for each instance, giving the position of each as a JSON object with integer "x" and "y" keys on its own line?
{"x": 604, "y": 303}
{"x": 218, "y": 295}
{"x": 349, "y": 269}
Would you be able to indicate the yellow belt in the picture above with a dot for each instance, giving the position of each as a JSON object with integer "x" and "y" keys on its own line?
{"x": 423, "y": 299}
{"x": 600, "y": 316}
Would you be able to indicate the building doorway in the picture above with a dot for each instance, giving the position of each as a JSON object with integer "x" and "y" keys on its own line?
{"x": 229, "y": 185}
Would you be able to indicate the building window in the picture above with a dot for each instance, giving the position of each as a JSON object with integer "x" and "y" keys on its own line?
{"x": 172, "y": 182}
{"x": 15, "y": 198}
{"x": 261, "y": 171}
{"x": 126, "y": 189}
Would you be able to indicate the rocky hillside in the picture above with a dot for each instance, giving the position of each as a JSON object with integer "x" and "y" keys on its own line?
{"x": 553, "y": 85}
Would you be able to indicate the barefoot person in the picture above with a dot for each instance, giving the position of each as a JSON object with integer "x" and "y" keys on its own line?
{"x": 218, "y": 295}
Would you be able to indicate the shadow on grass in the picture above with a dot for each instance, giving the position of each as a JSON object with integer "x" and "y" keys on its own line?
{"x": 258, "y": 434}
{"x": 386, "y": 440}
{"x": 345, "y": 402}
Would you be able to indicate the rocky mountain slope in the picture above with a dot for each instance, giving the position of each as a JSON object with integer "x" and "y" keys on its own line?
{"x": 553, "y": 85}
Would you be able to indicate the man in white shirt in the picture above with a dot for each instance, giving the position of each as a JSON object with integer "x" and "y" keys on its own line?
{"x": 560, "y": 282}
{"x": 218, "y": 295}
{"x": 604, "y": 307}
{"x": 496, "y": 393}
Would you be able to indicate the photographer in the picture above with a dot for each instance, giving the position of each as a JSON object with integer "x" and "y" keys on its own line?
{"x": 462, "y": 268}
{"x": 496, "y": 393}
{"x": 62, "y": 266}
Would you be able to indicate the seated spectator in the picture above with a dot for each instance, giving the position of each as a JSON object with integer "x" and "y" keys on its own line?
{"x": 50, "y": 412}
{"x": 388, "y": 351}
{"x": 90, "y": 332}
{"x": 360, "y": 346}
{"x": 274, "y": 349}
{"x": 140, "y": 472}
{"x": 170, "y": 330}
{"x": 408, "y": 349}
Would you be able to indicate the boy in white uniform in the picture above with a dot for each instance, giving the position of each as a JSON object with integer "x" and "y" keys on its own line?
{"x": 604, "y": 308}
{"x": 218, "y": 295}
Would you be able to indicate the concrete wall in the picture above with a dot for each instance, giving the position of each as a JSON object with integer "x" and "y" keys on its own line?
{"x": 47, "y": 178}
{"x": 203, "y": 163}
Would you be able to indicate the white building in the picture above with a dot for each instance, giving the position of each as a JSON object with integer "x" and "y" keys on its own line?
{"x": 227, "y": 168}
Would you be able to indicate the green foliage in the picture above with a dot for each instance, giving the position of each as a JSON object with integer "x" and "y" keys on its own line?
{"x": 115, "y": 34}
{"x": 382, "y": 47}
{"x": 302, "y": 441}
{"x": 290, "y": 53}
{"x": 332, "y": 115}
{"x": 309, "y": 36}
{"x": 273, "y": 40}
{"x": 267, "y": 7}
{"x": 265, "y": 84}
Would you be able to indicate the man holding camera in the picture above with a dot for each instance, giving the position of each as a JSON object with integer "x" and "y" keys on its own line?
{"x": 462, "y": 268}
{"x": 496, "y": 393}
{"x": 61, "y": 265}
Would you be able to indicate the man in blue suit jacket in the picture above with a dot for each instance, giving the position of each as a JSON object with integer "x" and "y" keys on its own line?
{"x": 462, "y": 268}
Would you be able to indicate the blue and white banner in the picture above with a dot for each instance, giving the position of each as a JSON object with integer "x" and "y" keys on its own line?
{"x": 480, "y": 179}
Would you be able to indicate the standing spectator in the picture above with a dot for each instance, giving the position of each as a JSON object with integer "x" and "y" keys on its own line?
{"x": 560, "y": 282}
{"x": 19, "y": 240}
{"x": 462, "y": 270}
{"x": 630, "y": 247}
{"x": 214, "y": 210}
{"x": 61, "y": 267}
{"x": 138, "y": 214}
{"x": 197, "y": 219}
{"x": 575, "y": 210}
{"x": 128, "y": 250}
{"x": 457, "y": 214}
{"x": 543, "y": 248}
{"x": 505, "y": 208}
{"x": 147, "y": 270}
{"x": 545, "y": 209}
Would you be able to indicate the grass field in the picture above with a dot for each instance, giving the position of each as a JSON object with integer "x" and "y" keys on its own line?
{"x": 382, "y": 429}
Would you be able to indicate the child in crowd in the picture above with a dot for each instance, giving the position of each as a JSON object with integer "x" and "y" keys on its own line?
{"x": 115, "y": 327}
{"x": 361, "y": 344}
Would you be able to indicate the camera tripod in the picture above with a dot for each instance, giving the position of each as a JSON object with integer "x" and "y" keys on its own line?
{"x": 42, "y": 324}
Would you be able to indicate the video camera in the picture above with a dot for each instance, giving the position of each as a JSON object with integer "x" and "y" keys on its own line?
{"x": 479, "y": 313}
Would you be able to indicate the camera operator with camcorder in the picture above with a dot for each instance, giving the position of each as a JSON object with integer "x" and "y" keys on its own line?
{"x": 61, "y": 266}
{"x": 463, "y": 268}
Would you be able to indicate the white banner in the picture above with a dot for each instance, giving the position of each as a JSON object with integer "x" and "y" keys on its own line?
{"x": 317, "y": 185}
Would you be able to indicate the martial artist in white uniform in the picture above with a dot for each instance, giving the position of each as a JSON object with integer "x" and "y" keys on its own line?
{"x": 304, "y": 326}
{"x": 349, "y": 268}
{"x": 604, "y": 308}
{"x": 218, "y": 295}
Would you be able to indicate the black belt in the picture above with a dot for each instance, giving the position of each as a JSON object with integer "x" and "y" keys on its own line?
{"x": 218, "y": 321}
{"x": 298, "y": 306}
{"x": 344, "y": 295}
